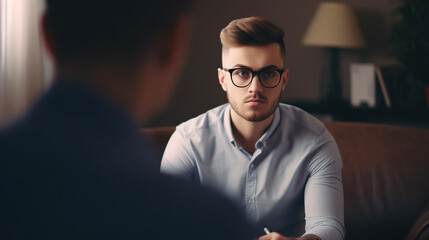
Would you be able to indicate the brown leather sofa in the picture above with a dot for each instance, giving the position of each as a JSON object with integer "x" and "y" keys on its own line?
{"x": 385, "y": 178}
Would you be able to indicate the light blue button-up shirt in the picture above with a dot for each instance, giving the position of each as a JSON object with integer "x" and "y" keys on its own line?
{"x": 292, "y": 183}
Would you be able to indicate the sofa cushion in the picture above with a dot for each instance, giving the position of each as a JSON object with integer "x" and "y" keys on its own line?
{"x": 385, "y": 177}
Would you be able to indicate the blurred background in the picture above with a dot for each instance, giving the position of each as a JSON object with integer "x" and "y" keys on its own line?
{"x": 26, "y": 73}
{"x": 199, "y": 89}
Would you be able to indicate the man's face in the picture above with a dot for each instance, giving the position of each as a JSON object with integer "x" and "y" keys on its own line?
{"x": 255, "y": 102}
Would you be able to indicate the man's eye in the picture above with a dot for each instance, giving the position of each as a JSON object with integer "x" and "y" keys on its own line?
{"x": 243, "y": 73}
{"x": 269, "y": 74}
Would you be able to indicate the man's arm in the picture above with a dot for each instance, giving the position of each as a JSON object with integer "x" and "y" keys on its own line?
{"x": 323, "y": 195}
{"x": 177, "y": 159}
{"x": 276, "y": 236}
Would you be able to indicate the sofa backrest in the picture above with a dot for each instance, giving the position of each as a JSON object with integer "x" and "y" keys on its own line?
{"x": 385, "y": 176}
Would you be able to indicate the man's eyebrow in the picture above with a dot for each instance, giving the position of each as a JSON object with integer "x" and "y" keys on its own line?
{"x": 247, "y": 67}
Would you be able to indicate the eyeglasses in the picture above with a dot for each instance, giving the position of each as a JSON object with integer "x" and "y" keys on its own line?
{"x": 242, "y": 77}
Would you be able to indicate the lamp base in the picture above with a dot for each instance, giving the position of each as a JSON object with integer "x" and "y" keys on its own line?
{"x": 330, "y": 87}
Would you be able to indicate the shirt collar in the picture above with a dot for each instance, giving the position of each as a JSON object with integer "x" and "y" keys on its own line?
{"x": 227, "y": 124}
{"x": 274, "y": 124}
{"x": 228, "y": 128}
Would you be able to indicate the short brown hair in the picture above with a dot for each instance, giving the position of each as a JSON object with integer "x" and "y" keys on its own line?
{"x": 89, "y": 31}
{"x": 252, "y": 31}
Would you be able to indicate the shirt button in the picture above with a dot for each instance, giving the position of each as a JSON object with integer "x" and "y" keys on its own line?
{"x": 252, "y": 166}
{"x": 250, "y": 201}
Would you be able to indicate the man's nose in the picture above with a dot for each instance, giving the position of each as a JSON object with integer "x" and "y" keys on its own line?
{"x": 255, "y": 85}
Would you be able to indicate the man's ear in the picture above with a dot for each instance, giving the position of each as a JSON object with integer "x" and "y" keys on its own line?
{"x": 162, "y": 64}
{"x": 173, "y": 45}
{"x": 285, "y": 79}
{"x": 48, "y": 39}
{"x": 221, "y": 77}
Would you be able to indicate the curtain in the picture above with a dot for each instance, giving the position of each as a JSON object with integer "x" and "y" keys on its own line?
{"x": 25, "y": 68}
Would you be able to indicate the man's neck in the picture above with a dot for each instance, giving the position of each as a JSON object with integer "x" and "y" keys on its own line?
{"x": 116, "y": 86}
{"x": 247, "y": 133}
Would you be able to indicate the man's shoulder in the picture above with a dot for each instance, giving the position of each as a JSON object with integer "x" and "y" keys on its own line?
{"x": 203, "y": 123}
{"x": 295, "y": 118}
{"x": 18, "y": 137}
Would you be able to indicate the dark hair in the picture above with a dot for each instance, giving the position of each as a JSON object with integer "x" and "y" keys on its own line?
{"x": 252, "y": 31}
{"x": 109, "y": 30}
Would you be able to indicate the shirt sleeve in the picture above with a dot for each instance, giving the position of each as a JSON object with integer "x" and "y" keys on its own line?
{"x": 177, "y": 159}
{"x": 323, "y": 196}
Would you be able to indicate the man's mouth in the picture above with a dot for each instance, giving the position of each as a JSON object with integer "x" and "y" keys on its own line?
{"x": 255, "y": 101}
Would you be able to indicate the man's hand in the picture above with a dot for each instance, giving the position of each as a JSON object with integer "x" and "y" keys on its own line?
{"x": 276, "y": 236}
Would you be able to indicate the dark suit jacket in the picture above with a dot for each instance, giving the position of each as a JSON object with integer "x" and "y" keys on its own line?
{"x": 75, "y": 167}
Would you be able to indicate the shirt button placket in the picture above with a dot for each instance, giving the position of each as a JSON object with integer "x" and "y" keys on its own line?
{"x": 250, "y": 193}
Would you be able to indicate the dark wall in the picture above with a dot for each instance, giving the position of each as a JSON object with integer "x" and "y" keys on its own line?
{"x": 199, "y": 89}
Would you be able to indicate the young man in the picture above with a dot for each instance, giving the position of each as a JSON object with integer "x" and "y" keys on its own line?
{"x": 75, "y": 167}
{"x": 277, "y": 162}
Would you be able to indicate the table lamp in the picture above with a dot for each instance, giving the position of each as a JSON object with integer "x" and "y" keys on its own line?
{"x": 334, "y": 26}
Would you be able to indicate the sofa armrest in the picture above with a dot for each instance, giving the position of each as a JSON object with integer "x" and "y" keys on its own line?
{"x": 420, "y": 228}
{"x": 159, "y": 135}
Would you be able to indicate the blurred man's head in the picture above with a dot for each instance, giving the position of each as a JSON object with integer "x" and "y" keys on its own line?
{"x": 109, "y": 30}
{"x": 126, "y": 48}
{"x": 253, "y": 74}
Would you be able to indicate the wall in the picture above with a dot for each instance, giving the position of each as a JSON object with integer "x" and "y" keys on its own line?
{"x": 24, "y": 65}
{"x": 199, "y": 89}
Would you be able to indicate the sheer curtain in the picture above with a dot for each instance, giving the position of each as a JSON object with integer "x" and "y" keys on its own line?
{"x": 25, "y": 69}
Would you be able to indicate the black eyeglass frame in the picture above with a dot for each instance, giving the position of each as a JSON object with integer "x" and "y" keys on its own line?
{"x": 258, "y": 73}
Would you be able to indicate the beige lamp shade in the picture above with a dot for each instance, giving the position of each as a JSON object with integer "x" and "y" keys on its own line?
{"x": 334, "y": 25}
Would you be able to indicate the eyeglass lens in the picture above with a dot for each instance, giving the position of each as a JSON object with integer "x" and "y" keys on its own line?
{"x": 268, "y": 78}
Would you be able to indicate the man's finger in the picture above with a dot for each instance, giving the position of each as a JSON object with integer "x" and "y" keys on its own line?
{"x": 272, "y": 236}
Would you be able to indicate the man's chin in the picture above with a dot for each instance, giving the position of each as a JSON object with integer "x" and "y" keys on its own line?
{"x": 253, "y": 113}
{"x": 256, "y": 116}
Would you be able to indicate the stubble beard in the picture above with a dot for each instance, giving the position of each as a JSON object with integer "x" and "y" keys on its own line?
{"x": 254, "y": 117}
